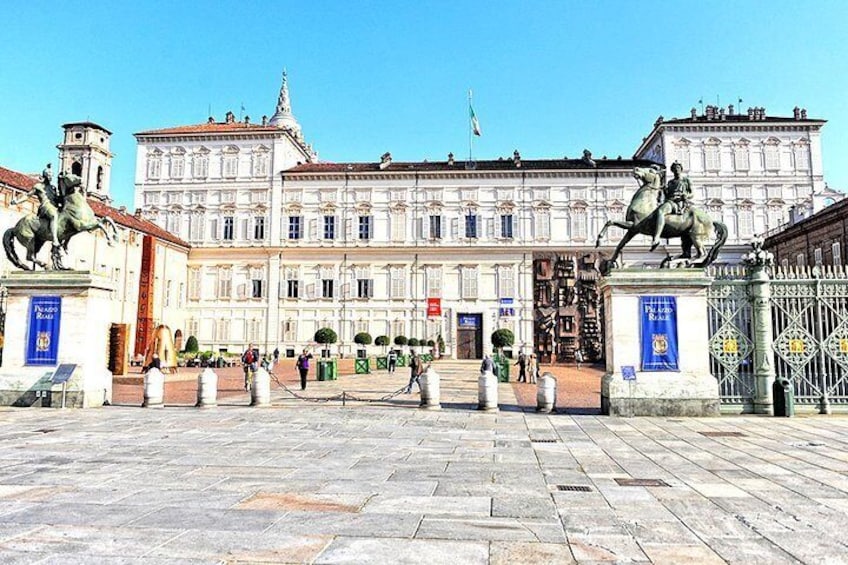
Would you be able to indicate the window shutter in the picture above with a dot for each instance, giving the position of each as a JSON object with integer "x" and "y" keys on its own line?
{"x": 490, "y": 228}
{"x": 313, "y": 229}
{"x": 245, "y": 228}
{"x": 370, "y": 288}
{"x": 310, "y": 291}
{"x": 442, "y": 227}
{"x": 425, "y": 227}
{"x": 370, "y": 227}
{"x": 419, "y": 228}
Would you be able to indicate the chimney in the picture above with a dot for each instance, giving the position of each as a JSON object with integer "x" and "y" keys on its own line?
{"x": 516, "y": 158}
{"x": 450, "y": 159}
{"x": 730, "y": 110}
{"x": 750, "y": 114}
{"x": 694, "y": 113}
{"x": 385, "y": 160}
{"x": 762, "y": 113}
{"x": 122, "y": 209}
{"x": 803, "y": 113}
{"x": 264, "y": 120}
{"x": 230, "y": 118}
{"x": 246, "y": 120}
{"x": 711, "y": 112}
{"x": 211, "y": 120}
{"x": 796, "y": 113}
{"x": 721, "y": 114}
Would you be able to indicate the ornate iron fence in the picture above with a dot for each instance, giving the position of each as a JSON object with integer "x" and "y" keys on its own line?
{"x": 809, "y": 336}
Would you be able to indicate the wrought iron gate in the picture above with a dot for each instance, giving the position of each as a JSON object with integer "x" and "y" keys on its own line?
{"x": 810, "y": 331}
{"x": 731, "y": 345}
{"x": 3, "y": 295}
{"x": 809, "y": 336}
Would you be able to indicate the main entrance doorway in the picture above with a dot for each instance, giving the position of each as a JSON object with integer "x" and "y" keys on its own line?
{"x": 469, "y": 336}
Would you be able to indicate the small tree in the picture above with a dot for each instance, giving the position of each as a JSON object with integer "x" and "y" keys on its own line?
{"x": 326, "y": 336}
{"x": 363, "y": 339}
{"x": 382, "y": 341}
{"x": 413, "y": 342}
{"x": 401, "y": 340}
{"x": 502, "y": 338}
{"x": 441, "y": 343}
{"x": 191, "y": 345}
{"x": 431, "y": 343}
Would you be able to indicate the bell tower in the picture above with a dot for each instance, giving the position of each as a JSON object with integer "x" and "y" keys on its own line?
{"x": 85, "y": 152}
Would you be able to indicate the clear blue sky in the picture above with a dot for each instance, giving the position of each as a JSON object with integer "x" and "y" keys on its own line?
{"x": 549, "y": 78}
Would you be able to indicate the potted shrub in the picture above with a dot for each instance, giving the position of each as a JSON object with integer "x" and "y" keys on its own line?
{"x": 327, "y": 368}
{"x": 502, "y": 338}
{"x": 382, "y": 360}
{"x": 401, "y": 341}
{"x": 363, "y": 339}
{"x": 191, "y": 345}
{"x": 362, "y": 364}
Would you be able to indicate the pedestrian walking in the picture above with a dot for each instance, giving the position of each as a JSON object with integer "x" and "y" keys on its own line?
{"x": 415, "y": 370}
{"x": 578, "y": 357}
{"x": 249, "y": 362}
{"x": 302, "y": 365}
{"x": 522, "y": 367}
{"x": 533, "y": 368}
{"x": 392, "y": 360}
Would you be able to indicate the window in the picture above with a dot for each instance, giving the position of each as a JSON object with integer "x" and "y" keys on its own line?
{"x": 259, "y": 227}
{"x": 327, "y": 288}
{"x": 836, "y": 251}
{"x": 289, "y": 328}
{"x": 741, "y": 160}
{"x": 468, "y": 194}
{"x": 817, "y": 255}
{"x": 295, "y": 227}
{"x": 170, "y": 284}
{"x": 743, "y": 192}
{"x": 225, "y": 282}
{"x": 230, "y": 166}
{"x": 542, "y": 223}
{"x": 257, "y": 288}
{"x": 364, "y": 288}
{"x": 506, "y": 226}
{"x": 435, "y": 227}
{"x": 578, "y": 224}
{"x": 469, "y": 282}
{"x": 397, "y": 195}
{"x": 292, "y": 288}
{"x": 746, "y": 223}
{"x": 194, "y": 284}
{"x": 800, "y": 260}
{"x": 229, "y": 228}
{"x": 802, "y": 157}
{"x": 772, "y": 157}
{"x": 213, "y": 228}
{"x": 364, "y": 227}
{"x": 682, "y": 155}
{"x": 434, "y": 282}
{"x": 397, "y": 282}
{"x": 711, "y": 158}
{"x": 222, "y": 329}
{"x": 151, "y": 198}
{"x": 173, "y": 223}
{"x": 398, "y": 226}
{"x": 472, "y": 223}
{"x": 154, "y": 167}
{"x": 254, "y": 330}
{"x": 200, "y": 166}
{"x": 191, "y": 327}
{"x": 506, "y": 282}
{"x": 260, "y": 164}
{"x": 329, "y": 227}
{"x": 398, "y": 327}
{"x": 714, "y": 192}
{"x": 177, "y": 167}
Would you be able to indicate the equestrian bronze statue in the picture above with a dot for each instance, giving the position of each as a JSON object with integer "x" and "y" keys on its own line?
{"x": 665, "y": 212}
{"x": 63, "y": 212}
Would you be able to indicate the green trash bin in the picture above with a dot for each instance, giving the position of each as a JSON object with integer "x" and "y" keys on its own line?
{"x": 362, "y": 366}
{"x": 334, "y": 370}
{"x": 323, "y": 370}
{"x": 502, "y": 364}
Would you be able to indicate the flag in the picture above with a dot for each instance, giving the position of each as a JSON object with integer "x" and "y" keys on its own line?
{"x": 475, "y": 124}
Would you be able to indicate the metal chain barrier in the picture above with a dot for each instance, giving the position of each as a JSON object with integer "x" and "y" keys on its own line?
{"x": 343, "y": 396}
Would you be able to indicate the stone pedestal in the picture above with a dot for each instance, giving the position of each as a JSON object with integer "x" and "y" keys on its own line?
{"x": 691, "y": 391}
{"x": 83, "y": 340}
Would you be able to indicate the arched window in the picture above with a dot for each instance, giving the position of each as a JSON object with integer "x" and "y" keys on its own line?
{"x": 99, "y": 179}
{"x": 76, "y": 168}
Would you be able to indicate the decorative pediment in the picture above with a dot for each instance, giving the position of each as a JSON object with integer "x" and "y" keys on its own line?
{"x": 293, "y": 208}
{"x": 261, "y": 148}
{"x": 228, "y": 207}
{"x": 715, "y": 202}
{"x": 742, "y": 143}
{"x": 178, "y": 151}
{"x": 542, "y": 206}
{"x": 434, "y": 206}
{"x": 260, "y": 207}
{"x": 682, "y": 141}
{"x": 771, "y": 141}
{"x": 776, "y": 202}
{"x": 398, "y": 207}
{"x": 199, "y": 209}
{"x": 230, "y": 149}
{"x": 155, "y": 152}
{"x": 712, "y": 141}
{"x": 745, "y": 203}
{"x": 202, "y": 150}
{"x": 327, "y": 208}
{"x": 582, "y": 204}
{"x": 506, "y": 205}
{"x": 363, "y": 207}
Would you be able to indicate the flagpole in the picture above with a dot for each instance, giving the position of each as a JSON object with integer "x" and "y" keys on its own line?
{"x": 470, "y": 132}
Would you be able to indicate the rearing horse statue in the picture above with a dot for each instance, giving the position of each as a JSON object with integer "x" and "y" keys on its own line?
{"x": 693, "y": 227}
{"x": 76, "y": 216}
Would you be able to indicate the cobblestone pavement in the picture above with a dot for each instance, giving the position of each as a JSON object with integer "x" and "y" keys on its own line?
{"x": 386, "y": 482}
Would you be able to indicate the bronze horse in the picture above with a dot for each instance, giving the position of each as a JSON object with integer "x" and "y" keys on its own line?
{"x": 693, "y": 227}
{"x": 76, "y": 216}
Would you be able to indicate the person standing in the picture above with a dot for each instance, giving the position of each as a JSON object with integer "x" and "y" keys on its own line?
{"x": 522, "y": 367}
{"x": 578, "y": 357}
{"x": 392, "y": 360}
{"x": 276, "y": 355}
{"x": 414, "y": 372}
{"x": 249, "y": 362}
{"x": 533, "y": 368}
{"x": 302, "y": 365}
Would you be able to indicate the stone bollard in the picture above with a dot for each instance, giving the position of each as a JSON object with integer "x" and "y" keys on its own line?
{"x": 546, "y": 393}
{"x": 260, "y": 392}
{"x": 154, "y": 389}
{"x": 430, "y": 390}
{"x": 487, "y": 391}
{"x": 207, "y": 389}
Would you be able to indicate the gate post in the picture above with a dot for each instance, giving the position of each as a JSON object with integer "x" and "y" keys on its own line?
{"x": 758, "y": 262}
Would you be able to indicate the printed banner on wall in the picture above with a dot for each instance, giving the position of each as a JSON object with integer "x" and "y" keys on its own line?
{"x": 434, "y": 307}
{"x": 45, "y": 317}
{"x": 658, "y": 317}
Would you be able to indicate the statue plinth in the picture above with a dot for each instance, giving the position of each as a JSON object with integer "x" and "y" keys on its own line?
{"x": 690, "y": 389}
{"x": 83, "y": 339}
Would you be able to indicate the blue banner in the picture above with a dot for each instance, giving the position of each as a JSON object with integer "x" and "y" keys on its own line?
{"x": 45, "y": 316}
{"x": 658, "y": 316}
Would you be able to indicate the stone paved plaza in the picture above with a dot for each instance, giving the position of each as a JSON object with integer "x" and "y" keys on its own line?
{"x": 390, "y": 483}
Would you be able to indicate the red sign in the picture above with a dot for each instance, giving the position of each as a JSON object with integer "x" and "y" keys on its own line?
{"x": 434, "y": 307}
